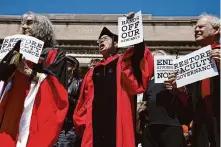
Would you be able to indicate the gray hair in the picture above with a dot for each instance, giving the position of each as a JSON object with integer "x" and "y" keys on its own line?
{"x": 160, "y": 52}
{"x": 42, "y": 28}
{"x": 213, "y": 20}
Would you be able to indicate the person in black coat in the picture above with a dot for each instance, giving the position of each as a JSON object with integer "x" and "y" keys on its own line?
{"x": 164, "y": 128}
{"x": 67, "y": 137}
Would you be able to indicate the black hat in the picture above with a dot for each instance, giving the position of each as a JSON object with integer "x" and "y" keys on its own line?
{"x": 107, "y": 32}
{"x": 73, "y": 61}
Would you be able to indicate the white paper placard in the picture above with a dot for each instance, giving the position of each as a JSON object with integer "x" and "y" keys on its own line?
{"x": 30, "y": 47}
{"x": 195, "y": 66}
{"x": 163, "y": 66}
{"x": 130, "y": 31}
{"x": 8, "y": 44}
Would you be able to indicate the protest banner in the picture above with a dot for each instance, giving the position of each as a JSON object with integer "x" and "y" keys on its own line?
{"x": 130, "y": 31}
{"x": 8, "y": 44}
{"x": 30, "y": 47}
{"x": 163, "y": 66}
{"x": 194, "y": 67}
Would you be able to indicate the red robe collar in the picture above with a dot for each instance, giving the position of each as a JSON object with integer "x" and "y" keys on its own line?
{"x": 215, "y": 45}
{"x": 108, "y": 60}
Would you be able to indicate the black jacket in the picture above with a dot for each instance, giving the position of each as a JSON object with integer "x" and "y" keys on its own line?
{"x": 74, "y": 85}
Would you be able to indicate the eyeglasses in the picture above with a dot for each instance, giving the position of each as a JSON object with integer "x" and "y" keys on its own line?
{"x": 106, "y": 38}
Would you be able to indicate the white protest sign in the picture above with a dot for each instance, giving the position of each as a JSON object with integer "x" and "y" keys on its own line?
{"x": 130, "y": 31}
{"x": 163, "y": 66}
{"x": 8, "y": 44}
{"x": 194, "y": 67}
{"x": 30, "y": 47}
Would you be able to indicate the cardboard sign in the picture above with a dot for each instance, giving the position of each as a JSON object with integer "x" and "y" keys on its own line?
{"x": 30, "y": 47}
{"x": 130, "y": 31}
{"x": 163, "y": 66}
{"x": 195, "y": 66}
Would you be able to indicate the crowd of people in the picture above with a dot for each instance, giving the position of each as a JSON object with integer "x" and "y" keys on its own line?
{"x": 116, "y": 104}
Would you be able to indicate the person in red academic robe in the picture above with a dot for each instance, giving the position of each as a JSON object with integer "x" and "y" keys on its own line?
{"x": 34, "y": 101}
{"x": 104, "y": 112}
{"x": 204, "y": 95}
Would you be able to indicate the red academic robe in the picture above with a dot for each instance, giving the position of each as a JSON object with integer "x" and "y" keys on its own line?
{"x": 31, "y": 115}
{"x": 127, "y": 86}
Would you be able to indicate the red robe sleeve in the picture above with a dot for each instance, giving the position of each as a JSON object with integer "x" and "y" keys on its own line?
{"x": 79, "y": 116}
{"x": 136, "y": 71}
{"x": 51, "y": 103}
{"x": 48, "y": 113}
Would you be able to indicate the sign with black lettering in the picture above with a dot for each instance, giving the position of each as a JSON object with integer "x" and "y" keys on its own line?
{"x": 30, "y": 47}
{"x": 130, "y": 31}
{"x": 195, "y": 66}
{"x": 163, "y": 66}
{"x": 8, "y": 44}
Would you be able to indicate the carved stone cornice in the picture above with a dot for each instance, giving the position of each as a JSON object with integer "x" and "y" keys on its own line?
{"x": 100, "y": 18}
{"x": 94, "y": 49}
{"x": 88, "y": 27}
{"x": 77, "y": 33}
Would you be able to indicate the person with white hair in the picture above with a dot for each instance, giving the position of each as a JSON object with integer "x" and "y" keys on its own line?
{"x": 165, "y": 111}
{"x": 35, "y": 100}
{"x": 204, "y": 95}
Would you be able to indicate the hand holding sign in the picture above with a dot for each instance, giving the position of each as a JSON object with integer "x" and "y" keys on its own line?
{"x": 23, "y": 67}
{"x": 171, "y": 85}
{"x": 130, "y": 15}
{"x": 130, "y": 29}
{"x": 215, "y": 54}
{"x": 171, "y": 82}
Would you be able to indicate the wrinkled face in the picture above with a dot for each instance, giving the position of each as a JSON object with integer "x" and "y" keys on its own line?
{"x": 204, "y": 30}
{"x": 105, "y": 44}
{"x": 28, "y": 25}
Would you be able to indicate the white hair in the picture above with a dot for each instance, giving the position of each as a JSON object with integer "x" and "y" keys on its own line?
{"x": 160, "y": 52}
{"x": 213, "y": 20}
{"x": 42, "y": 29}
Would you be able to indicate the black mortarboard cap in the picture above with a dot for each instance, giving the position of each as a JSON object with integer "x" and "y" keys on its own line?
{"x": 106, "y": 31}
{"x": 73, "y": 61}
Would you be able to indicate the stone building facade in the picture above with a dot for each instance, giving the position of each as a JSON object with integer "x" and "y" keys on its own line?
{"x": 78, "y": 34}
